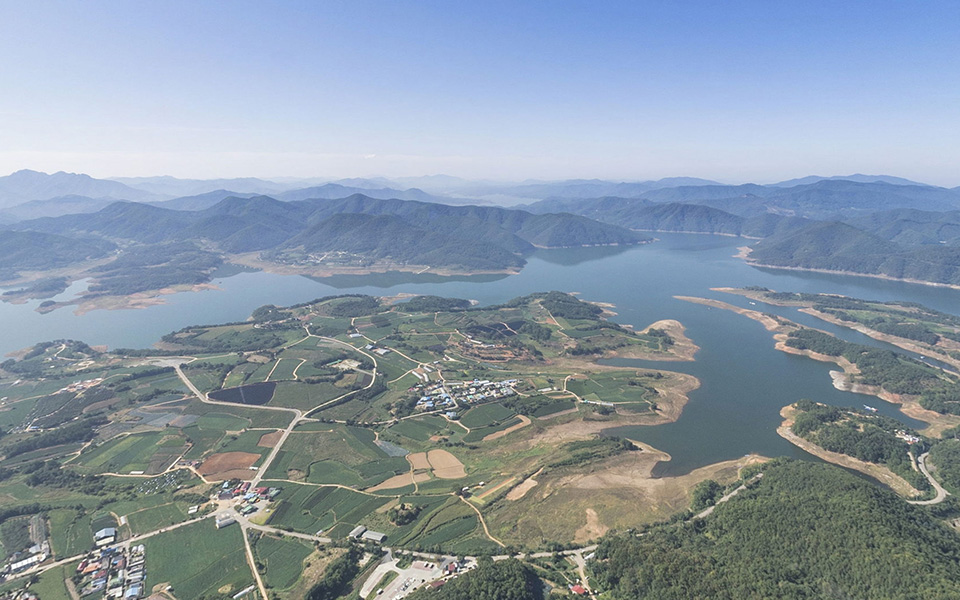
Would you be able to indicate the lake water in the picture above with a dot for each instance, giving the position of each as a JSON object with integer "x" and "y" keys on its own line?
{"x": 744, "y": 380}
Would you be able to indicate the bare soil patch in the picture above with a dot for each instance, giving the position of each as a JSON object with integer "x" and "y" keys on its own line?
{"x": 620, "y": 491}
{"x": 418, "y": 460}
{"x": 446, "y": 465}
{"x": 524, "y": 421}
{"x": 521, "y": 490}
{"x": 227, "y": 465}
{"x": 269, "y": 440}
{"x": 593, "y": 529}
{"x": 399, "y": 481}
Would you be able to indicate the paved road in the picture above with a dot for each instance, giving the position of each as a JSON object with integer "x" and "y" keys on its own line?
{"x": 941, "y": 493}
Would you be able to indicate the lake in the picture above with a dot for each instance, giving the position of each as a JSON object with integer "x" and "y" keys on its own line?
{"x": 745, "y": 381}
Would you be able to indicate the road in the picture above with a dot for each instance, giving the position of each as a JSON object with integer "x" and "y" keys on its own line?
{"x": 941, "y": 493}
{"x": 709, "y": 510}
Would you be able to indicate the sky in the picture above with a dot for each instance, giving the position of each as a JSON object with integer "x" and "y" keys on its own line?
{"x": 733, "y": 91}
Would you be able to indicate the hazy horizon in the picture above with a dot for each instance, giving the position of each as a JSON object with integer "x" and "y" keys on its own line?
{"x": 734, "y": 92}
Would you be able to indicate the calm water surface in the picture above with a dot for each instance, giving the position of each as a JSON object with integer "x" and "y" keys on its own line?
{"x": 744, "y": 380}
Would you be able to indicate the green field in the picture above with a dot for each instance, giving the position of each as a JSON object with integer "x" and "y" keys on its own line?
{"x": 486, "y": 415}
{"x": 151, "y": 519}
{"x": 52, "y": 583}
{"x": 310, "y": 509}
{"x": 339, "y": 455}
{"x": 148, "y": 452}
{"x": 284, "y": 369}
{"x": 291, "y": 394}
{"x": 619, "y": 387}
{"x": 420, "y": 429}
{"x": 283, "y": 558}
{"x": 70, "y": 532}
{"x": 217, "y": 560}
{"x": 222, "y": 422}
{"x": 478, "y": 434}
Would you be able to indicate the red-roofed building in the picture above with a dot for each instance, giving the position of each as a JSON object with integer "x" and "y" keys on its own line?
{"x": 578, "y": 590}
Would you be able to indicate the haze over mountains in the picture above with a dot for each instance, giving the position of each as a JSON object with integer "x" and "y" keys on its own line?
{"x": 870, "y": 224}
{"x": 30, "y": 194}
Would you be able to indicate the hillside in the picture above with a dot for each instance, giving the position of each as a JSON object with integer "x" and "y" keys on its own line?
{"x": 806, "y": 531}
{"x": 837, "y": 246}
{"x": 387, "y": 237}
{"x": 912, "y": 227}
{"x": 30, "y": 250}
{"x": 310, "y": 235}
{"x": 642, "y": 214}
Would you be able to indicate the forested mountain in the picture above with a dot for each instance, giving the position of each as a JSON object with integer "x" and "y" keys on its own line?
{"x": 502, "y": 580}
{"x": 912, "y": 227}
{"x": 805, "y": 531}
{"x": 417, "y": 233}
{"x": 826, "y": 199}
{"x": 642, "y": 214}
{"x": 840, "y": 247}
{"x": 174, "y": 187}
{"x": 391, "y": 238}
{"x": 31, "y": 250}
{"x": 202, "y": 201}
{"x": 332, "y": 191}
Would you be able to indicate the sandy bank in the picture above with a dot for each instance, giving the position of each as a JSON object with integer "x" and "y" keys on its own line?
{"x": 878, "y": 472}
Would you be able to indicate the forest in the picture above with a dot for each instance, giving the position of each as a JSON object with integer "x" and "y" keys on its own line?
{"x": 804, "y": 531}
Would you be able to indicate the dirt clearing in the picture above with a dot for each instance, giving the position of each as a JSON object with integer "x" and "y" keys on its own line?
{"x": 269, "y": 440}
{"x": 227, "y": 465}
{"x": 419, "y": 461}
{"x": 446, "y": 465}
{"x": 399, "y": 481}
{"x": 524, "y": 421}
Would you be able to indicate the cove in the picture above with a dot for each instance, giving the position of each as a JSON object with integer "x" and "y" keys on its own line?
{"x": 744, "y": 380}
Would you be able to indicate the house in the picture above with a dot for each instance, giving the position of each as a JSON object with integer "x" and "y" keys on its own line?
{"x": 107, "y": 535}
{"x": 357, "y": 531}
{"x": 224, "y": 519}
{"x": 374, "y": 536}
{"x": 578, "y": 590}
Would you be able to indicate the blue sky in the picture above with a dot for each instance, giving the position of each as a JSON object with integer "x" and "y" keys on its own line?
{"x": 735, "y": 91}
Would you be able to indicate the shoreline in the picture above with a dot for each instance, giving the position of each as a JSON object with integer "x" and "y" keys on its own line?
{"x": 879, "y": 472}
{"x": 757, "y": 264}
{"x": 936, "y": 422}
{"x": 807, "y": 309}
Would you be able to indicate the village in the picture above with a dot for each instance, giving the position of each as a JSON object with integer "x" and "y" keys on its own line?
{"x": 452, "y": 393}
{"x": 113, "y": 571}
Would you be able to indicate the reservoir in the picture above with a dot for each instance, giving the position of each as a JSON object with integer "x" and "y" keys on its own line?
{"x": 744, "y": 380}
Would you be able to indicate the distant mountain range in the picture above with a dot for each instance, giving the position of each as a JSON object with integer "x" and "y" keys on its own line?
{"x": 876, "y": 224}
{"x": 31, "y": 194}
{"x": 460, "y": 238}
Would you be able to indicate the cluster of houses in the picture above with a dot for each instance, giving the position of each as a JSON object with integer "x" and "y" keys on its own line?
{"x": 447, "y": 394}
{"x": 908, "y": 438}
{"x": 235, "y": 490}
{"x": 79, "y": 386}
{"x": 21, "y": 561}
{"x": 482, "y": 390}
{"x": 113, "y": 572}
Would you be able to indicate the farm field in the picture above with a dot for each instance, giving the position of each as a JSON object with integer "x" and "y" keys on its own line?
{"x": 149, "y": 453}
{"x": 381, "y": 457}
{"x": 222, "y": 570}
{"x": 70, "y": 531}
{"x": 283, "y": 559}
{"x": 339, "y": 455}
